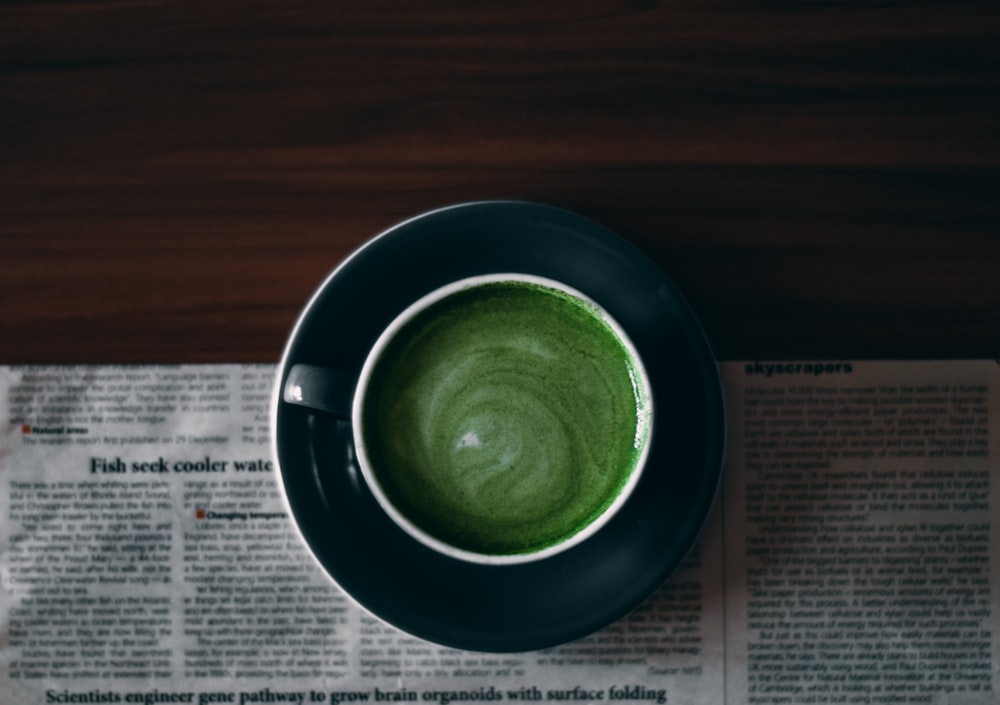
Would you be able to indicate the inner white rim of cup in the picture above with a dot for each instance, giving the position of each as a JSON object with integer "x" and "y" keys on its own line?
{"x": 641, "y": 386}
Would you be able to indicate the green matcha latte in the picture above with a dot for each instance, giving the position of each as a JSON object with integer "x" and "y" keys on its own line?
{"x": 504, "y": 419}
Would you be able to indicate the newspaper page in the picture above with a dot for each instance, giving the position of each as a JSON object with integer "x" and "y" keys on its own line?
{"x": 146, "y": 555}
{"x": 858, "y": 541}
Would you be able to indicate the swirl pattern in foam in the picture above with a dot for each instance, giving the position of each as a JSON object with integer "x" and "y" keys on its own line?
{"x": 504, "y": 418}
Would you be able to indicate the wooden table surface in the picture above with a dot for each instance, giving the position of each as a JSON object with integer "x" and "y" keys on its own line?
{"x": 820, "y": 178}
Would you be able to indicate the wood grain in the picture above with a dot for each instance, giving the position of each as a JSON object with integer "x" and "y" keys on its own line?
{"x": 821, "y": 178}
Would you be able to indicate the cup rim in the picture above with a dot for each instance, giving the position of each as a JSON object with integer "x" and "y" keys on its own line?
{"x": 644, "y": 429}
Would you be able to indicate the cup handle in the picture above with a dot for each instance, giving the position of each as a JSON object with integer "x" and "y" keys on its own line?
{"x": 319, "y": 388}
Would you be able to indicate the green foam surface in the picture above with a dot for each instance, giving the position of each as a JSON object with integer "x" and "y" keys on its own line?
{"x": 504, "y": 418}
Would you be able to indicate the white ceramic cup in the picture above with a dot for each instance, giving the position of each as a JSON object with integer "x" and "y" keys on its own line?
{"x": 330, "y": 391}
